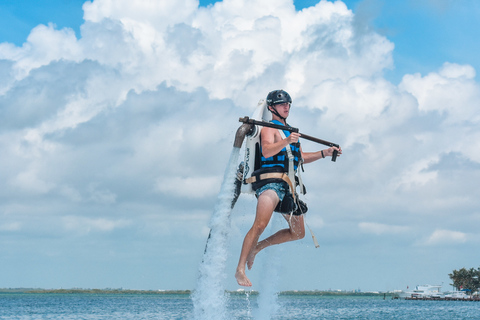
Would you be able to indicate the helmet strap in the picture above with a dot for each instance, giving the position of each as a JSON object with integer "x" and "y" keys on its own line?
{"x": 275, "y": 112}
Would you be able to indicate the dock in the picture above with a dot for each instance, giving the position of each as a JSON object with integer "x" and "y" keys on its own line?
{"x": 475, "y": 298}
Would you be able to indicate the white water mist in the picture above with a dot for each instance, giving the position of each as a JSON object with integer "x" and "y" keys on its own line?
{"x": 270, "y": 269}
{"x": 209, "y": 298}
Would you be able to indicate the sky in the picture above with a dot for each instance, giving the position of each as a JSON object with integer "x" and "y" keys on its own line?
{"x": 117, "y": 122}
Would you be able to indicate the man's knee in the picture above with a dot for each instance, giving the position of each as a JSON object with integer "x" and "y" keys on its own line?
{"x": 259, "y": 226}
{"x": 298, "y": 233}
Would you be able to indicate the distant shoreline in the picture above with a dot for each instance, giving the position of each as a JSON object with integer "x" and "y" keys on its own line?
{"x": 92, "y": 291}
{"x": 184, "y": 292}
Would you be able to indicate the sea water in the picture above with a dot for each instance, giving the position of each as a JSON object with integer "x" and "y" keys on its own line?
{"x": 180, "y": 306}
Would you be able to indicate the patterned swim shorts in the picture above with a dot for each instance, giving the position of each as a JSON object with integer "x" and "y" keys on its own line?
{"x": 280, "y": 188}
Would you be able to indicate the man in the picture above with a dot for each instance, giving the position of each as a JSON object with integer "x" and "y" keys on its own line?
{"x": 272, "y": 195}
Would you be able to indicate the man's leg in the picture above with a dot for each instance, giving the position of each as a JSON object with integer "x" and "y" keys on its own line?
{"x": 267, "y": 202}
{"x": 295, "y": 231}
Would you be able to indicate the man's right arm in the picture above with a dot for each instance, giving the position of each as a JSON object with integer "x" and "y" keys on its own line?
{"x": 272, "y": 142}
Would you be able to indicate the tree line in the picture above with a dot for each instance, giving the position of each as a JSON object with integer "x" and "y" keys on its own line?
{"x": 466, "y": 279}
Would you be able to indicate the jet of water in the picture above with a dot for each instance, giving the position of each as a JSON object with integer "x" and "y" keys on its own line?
{"x": 209, "y": 297}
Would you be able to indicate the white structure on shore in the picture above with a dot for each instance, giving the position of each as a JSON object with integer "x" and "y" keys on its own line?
{"x": 424, "y": 291}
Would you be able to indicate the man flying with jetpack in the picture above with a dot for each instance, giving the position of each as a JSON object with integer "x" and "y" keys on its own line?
{"x": 275, "y": 183}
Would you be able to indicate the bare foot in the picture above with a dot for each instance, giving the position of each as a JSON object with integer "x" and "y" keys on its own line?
{"x": 242, "y": 278}
{"x": 251, "y": 258}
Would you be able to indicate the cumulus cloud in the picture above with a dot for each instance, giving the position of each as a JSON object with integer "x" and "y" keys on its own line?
{"x": 452, "y": 92}
{"x": 69, "y": 97}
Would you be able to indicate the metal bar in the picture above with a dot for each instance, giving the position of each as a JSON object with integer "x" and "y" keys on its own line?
{"x": 291, "y": 129}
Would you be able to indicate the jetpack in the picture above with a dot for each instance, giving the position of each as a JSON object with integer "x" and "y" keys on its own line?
{"x": 251, "y": 161}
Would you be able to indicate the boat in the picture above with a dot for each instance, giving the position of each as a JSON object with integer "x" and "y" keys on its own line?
{"x": 423, "y": 292}
{"x": 457, "y": 295}
{"x": 433, "y": 292}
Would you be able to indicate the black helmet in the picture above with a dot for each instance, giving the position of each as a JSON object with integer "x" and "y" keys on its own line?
{"x": 277, "y": 97}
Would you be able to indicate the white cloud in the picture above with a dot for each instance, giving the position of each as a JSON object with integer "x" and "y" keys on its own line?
{"x": 188, "y": 187}
{"x": 446, "y": 237}
{"x": 30, "y": 182}
{"x": 102, "y": 196}
{"x": 380, "y": 228}
{"x": 44, "y": 45}
{"x": 417, "y": 175}
{"x": 138, "y": 97}
{"x": 70, "y": 193}
{"x": 451, "y": 90}
{"x": 84, "y": 225}
{"x": 10, "y": 226}
{"x": 157, "y": 13}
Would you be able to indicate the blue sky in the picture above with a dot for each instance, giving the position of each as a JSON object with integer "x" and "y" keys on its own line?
{"x": 117, "y": 119}
{"x": 20, "y": 17}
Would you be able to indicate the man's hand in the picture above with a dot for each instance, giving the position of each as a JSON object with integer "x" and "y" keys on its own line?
{"x": 329, "y": 151}
{"x": 293, "y": 137}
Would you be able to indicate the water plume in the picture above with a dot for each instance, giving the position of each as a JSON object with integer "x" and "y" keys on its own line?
{"x": 270, "y": 266}
{"x": 209, "y": 297}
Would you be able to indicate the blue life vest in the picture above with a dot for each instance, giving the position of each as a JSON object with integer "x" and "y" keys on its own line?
{"x": 281, "y": 158}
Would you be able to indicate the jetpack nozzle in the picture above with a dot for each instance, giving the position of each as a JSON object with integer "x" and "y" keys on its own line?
{"x": 242, "y": 131}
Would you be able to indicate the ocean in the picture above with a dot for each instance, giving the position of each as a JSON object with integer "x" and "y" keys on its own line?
{"x": 180, "y": 306}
